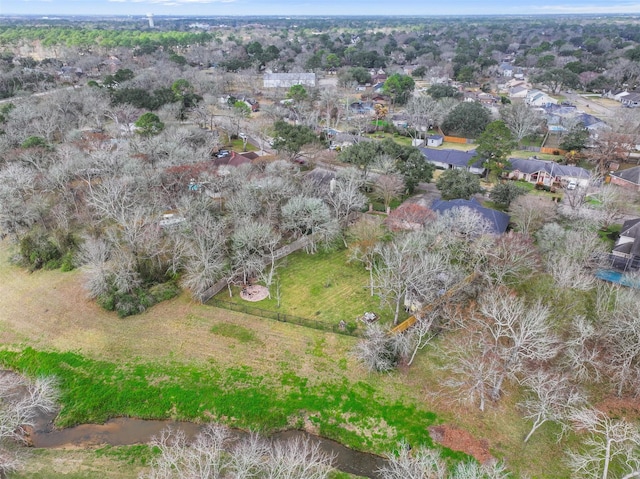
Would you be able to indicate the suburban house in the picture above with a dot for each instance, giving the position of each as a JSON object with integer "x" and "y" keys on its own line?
{"x": 592, "y": 123}
{"x": 506, "y": 69}
{"x": 434, "y": 141}
{"x": 626, "y": 252}
{"x": 632, "y": 100}
{"x": 345, "y": 140}
{"x": 629, "y": 178}
{"x": 233, "y": 159}
{"x": 498, "y": 221}
{"x": 518, "y": 92}
{"x": 538, "y": 98}
{"x": 287, "y": 80}
{"x": 545, "y": 172}
{"x": 400, "y": 120}
{"x": 361, "y": 107}
{"x": 615, "y": 94}
{"x": 454, "y": 159}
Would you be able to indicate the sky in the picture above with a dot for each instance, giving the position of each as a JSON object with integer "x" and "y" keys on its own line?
{"x": 315, "y": 7}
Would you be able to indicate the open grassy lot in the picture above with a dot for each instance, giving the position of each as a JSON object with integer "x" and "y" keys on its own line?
{"x": 185, "y": 360}
{"x": 323, "y": 287}
{"x": 118, "y": 463}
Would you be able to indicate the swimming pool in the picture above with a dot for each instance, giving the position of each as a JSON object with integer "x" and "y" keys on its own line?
{"x": 618, "y": 277}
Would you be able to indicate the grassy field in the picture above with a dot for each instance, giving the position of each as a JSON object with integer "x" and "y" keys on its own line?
{"x": 185, "y": 360}
{"x": 323, "y": 287}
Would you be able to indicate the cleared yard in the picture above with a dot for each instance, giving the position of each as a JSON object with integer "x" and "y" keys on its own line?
{"x": 322, "y": 287}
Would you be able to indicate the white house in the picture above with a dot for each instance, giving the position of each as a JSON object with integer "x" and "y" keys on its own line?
{"x": 287, "y": 80}
{"x": 434, "y": 141}
{"x": 539, "y": 98}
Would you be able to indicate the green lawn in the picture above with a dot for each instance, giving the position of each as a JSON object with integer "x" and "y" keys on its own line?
{"x": 322, "y": 287}
{"x": 236, "y": 145}
{"x": 529, "y": 154}
{"x": 354, "y": 413}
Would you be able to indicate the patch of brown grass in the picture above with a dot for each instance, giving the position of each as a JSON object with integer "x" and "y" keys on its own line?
{"x": 50, "y": 310}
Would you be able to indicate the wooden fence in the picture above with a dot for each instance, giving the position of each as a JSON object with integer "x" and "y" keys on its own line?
{"x": 553, "y": 151}
{"x": 284, "y": 318}
{"x": 457, "y": 139}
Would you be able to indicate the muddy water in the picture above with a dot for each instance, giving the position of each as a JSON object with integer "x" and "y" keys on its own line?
{"x": 127, "y": 431}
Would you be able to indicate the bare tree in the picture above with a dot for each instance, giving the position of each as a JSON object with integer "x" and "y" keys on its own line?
{"x": 379, "y": 350}
{"x": 581, "y": 354}
{"x": 511, "y": 258}
{"x": 419, "y": 464}
{"x": 304, "y": 216}
{"x": 251, "y": 244}
{"x": 425, "y": 463}
{"x": 213, "y": 454}
{"x": 201, "y": 249}
{"x": 21, "y": 401}
{"x": 296, "y": 459}
{"x": 94, "y": 255}
{"x": 363, "y": 238}
{"x": 344, "y": 194}
{"x": 521, "y": 120}
{"x": 20, "y": 201}
{"x": 552, "y": 398}
{"x": 388, "y": 187}
{"x": 422, "y": 111}
{"x": 406, "y": 271}
{"x": 531, "y": 212}
{"x": 473, "y": 369}
{"x": 623, "y": 340}
{"x": 518, "y": 334}
{"x": 569, "y": 254}
{"x": 611, "y": 445}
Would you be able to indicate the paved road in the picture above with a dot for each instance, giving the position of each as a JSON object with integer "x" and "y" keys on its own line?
{"x": 588, "y": 105}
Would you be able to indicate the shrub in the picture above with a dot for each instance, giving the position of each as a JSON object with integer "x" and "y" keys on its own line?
{"x": 164, "y": 291}
{"x": 37, "y": 251}
{"x": 34, "y": 142}
{"x": 66, "y": 263}
{"x": 136, "y": 301}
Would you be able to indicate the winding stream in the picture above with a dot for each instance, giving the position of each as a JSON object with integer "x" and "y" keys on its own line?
{"x": 127, "y": 431}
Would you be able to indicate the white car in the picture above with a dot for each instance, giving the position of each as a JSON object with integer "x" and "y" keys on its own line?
{"x": 572, "y": 185}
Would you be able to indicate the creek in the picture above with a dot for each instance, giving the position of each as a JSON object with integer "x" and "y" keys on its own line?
{"x": 127, "y": 431}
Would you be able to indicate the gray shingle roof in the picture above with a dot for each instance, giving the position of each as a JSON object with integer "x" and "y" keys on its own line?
{"x": 498, "y": 220}
{"x": 529, "y": 166}
{"x": 455, "y": 158}
{"x": 632, "y": 175}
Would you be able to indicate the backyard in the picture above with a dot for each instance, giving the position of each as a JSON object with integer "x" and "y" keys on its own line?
{"x": 323, "y": 287}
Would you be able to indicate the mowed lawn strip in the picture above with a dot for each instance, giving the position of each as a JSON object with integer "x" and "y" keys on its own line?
{"x": 322, "y": 287}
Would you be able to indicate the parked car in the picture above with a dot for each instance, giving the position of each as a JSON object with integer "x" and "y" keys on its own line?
{"x": 572, "y": 185}
{"x": 223, "y": 154}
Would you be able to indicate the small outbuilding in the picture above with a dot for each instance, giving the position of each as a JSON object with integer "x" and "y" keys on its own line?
{"x": 434, "y": 141}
